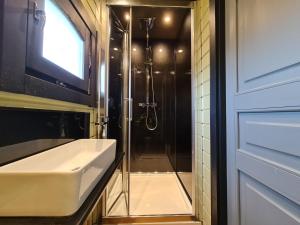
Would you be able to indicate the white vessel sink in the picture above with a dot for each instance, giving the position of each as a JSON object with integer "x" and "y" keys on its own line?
{"x": 54, "y": 182}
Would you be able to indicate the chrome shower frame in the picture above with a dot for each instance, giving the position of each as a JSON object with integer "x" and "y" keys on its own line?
{"x": 126, "y": 106}
{"x": 162, "y": 3}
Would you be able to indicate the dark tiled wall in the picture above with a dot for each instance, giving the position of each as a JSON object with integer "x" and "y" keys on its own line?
{"x": 26, "y": 132}
{"x": 167, "y": 148}
{"x": 149, "y": 152}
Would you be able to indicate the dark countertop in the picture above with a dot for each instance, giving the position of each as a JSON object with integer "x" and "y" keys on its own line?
{"x": 80, "y": 216}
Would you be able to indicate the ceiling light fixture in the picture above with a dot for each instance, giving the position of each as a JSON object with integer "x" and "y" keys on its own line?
{"x": 157, "y": 72}
{"x": 134, "y": 49}
{"x": 160, "y": 50}
{"x": 116, "y": 49}
{"x": 127, "y": 16}
{"x": 180, "y": 51}
{"x": 167, "y": 19}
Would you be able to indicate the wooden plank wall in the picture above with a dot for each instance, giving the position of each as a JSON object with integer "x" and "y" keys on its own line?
{"x": 98, "y": 13}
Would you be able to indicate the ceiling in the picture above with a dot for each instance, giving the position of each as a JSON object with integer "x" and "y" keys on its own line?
{"x": 162, "y": 29}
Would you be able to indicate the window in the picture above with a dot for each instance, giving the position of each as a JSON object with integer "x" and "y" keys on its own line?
{"x": 62, "y": 43}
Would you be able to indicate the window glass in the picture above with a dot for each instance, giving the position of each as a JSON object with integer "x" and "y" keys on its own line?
{"x": 62, "y": 43}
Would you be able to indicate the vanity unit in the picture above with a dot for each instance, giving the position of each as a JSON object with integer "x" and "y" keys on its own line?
{"x": 55, "y": 182}
{"x": 60, "y": 190}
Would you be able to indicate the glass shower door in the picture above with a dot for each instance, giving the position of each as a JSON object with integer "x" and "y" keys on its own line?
{"x": 120, "y": 106}
{"x": 126, "y": 115}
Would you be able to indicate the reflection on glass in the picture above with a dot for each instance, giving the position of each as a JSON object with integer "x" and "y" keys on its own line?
{"x": 62, "y": 44}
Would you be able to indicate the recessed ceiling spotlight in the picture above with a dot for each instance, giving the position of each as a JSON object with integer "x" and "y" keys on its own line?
{"x": 160, "y": 50}
{"x": 172, "y": 72}
{"x": 139, "y": 71}
{"x": 116, "y": 49}
{"x": 127, "y": 16}
{"x": 157, "y": 72}
{"x": 112, "y": 57}
{"x": 167, "y": 19}
{"x": 134, "y": 49}
{"x": 180, "y": 51}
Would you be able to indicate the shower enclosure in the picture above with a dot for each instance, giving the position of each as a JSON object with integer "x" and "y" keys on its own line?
{"x": 150, "y": 107}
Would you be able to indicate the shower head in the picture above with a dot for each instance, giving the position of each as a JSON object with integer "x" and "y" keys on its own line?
{"x": 146, "y": 23}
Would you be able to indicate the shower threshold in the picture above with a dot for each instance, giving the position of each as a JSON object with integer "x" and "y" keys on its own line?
{"x": 151, "y": 220}
{"x": 154, "y": 194}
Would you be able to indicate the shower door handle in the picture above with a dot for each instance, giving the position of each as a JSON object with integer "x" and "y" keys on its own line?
{"x": 130, "y": 108}
{"x": 129, "y": 116}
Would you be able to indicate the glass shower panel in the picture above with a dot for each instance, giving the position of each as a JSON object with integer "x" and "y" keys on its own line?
{"x": 119, "y": 94}
{"x": 183, "y": 106}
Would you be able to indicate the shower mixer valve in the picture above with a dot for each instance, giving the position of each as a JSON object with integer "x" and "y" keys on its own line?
{"x": 143, "y": 105}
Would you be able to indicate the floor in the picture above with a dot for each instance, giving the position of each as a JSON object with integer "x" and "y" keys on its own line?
{"x": 116, "y": 188}
{"x": 154, "y": 194}
{"x": 151, "y": 163}
{"x": 187, "y": 180}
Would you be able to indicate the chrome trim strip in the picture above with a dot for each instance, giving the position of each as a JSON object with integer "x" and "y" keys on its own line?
{"x": 130, "y": 108}
{"x": 107, "y": 53}
{"x": 193, "y": 78}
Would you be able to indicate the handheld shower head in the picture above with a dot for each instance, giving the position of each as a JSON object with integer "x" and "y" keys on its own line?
{"x": 147, "y": 23}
